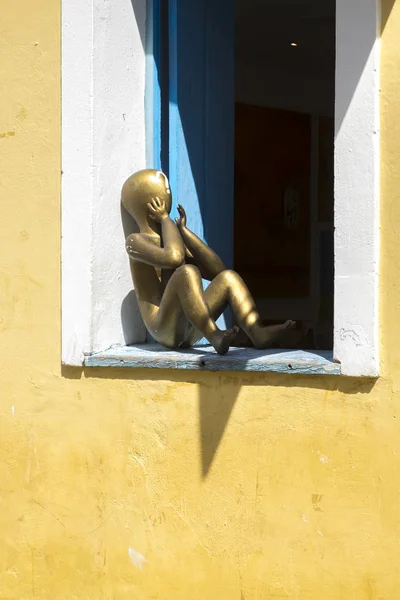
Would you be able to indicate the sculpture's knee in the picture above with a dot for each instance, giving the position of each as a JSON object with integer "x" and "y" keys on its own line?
{"x": 187, "y": 272}
{"x": 229, "y": 277}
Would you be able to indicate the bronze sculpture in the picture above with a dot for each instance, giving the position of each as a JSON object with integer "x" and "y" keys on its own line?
{"x": 168, "y": 262}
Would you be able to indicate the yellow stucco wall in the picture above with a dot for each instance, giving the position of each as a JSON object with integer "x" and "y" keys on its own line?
{"x": 233, "y": 487}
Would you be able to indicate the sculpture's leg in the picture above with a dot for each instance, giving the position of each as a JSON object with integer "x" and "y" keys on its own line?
{"x": 184, "y": 294}
{"x": 228, "y": 288}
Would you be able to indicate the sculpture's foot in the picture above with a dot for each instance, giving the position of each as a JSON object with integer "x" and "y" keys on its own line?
{"x": 242, "y": 340}
{"x": 221, "y": 340}
{"x": 272, "y": 333}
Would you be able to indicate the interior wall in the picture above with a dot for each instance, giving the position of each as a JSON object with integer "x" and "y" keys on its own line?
{"x": 269, "y": 71}
{"x": 265, "y": 84}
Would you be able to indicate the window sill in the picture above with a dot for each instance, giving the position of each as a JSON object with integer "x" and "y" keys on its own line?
{"x": 204, "y": 358}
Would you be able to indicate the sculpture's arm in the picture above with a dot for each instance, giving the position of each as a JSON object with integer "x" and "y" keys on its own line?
{"x": 199, "y": 254}
{"x": 140, "y": 247}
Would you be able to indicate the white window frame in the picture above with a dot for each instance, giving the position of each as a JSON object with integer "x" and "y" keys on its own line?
{"x": 103, "y": 142}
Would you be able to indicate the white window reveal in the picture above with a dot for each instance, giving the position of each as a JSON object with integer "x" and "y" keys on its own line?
{"x": 103, "y": 142}
{"x": 109, "y": 79}
{"x": 357, "y": 178}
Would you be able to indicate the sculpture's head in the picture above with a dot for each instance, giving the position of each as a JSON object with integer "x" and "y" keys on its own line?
{"x": 140, "y": 188}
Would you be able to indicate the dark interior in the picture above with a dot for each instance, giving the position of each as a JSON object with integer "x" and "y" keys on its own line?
{"x": 284, "y": 151}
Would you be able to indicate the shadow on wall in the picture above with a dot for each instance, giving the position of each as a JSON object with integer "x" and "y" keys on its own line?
{"x": 361, "y": 50}
{"x": 386, "y": 7}
{"x": 217, "y": 403}
{"x": 140, "y": 8}
{"x": 219, "y": 393}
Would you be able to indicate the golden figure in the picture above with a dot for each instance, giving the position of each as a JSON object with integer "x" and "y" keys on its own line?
{"x": 168, "y": 262}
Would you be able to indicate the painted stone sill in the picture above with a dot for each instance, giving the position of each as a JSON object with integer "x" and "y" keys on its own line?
{"x": 204, "y": 358}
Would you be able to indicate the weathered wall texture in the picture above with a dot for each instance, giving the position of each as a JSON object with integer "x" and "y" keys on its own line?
{"x": 234, "y": 487}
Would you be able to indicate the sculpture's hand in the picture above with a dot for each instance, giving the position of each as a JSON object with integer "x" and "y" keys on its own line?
{"x": 197, "y": 251}
{"x": 157, "y": 210}
{"x": 181, "y": 222}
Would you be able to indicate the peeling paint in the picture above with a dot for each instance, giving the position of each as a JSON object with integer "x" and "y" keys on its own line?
{"x": 137, "y": 559}
{"x": 324, "y": 459}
